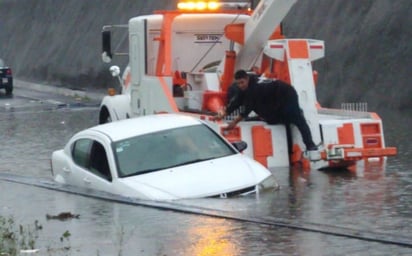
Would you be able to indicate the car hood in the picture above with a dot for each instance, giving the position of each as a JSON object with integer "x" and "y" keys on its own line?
{"x": 202, "y": 179}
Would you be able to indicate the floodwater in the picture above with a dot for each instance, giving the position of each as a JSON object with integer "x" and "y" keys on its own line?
{"x": 372, "y": 198}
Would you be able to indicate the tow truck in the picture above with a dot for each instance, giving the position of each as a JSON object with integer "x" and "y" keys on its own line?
{"x": 183, "y": 61}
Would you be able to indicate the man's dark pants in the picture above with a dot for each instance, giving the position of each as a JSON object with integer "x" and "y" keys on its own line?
{"x": 291, "y": 113}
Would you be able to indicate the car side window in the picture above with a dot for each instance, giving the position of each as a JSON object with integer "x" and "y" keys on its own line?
{"x": 98, "y": 161}
{"x": 80, "y": 152}
{"x": 92, "y": 156}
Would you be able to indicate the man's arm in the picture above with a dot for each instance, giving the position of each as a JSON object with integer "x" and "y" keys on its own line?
{"x": 234, "y": 99}
{"x": 243, "y": 114}
{"x": 220, "y": 114}
{"x": 233, "y": 124}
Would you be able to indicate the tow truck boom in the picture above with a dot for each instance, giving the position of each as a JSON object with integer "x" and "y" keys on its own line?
{"x": 265, "y": 19}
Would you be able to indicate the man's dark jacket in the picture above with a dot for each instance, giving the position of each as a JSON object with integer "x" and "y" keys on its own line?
{"x": 272, "y": 100}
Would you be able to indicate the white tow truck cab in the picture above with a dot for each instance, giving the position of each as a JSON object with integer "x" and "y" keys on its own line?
{"x": 183, "y": 61}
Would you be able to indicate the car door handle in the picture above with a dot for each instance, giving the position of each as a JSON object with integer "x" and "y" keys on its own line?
{"x": 66, "y": 169}
{"x": 87, "y": 180}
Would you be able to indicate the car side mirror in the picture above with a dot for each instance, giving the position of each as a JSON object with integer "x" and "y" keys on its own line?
{"x": 240, "y": 145}
{"x": 115, "y": 71}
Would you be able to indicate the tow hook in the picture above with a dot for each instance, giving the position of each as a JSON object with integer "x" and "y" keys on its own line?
{"x": 337, "y": 152}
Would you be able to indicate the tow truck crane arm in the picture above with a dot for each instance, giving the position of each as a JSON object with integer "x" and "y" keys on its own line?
{"x": 253, "y": 35}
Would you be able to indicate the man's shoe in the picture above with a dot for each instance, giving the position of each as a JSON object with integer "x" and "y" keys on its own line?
{"x": 313, "y": 153}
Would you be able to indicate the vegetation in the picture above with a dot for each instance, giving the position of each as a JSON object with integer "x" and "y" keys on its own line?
{"x": 17, "y": 239}
{"x": 14, "y": 238}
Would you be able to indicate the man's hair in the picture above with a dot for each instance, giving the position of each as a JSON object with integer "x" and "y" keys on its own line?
{"x": 240, "y": 74}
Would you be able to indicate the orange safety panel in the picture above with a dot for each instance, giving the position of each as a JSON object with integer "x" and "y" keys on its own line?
{"x": 370, "y": 128}
{"x": 298, "y": 49}
{"x": 213, "y": 101}
{"x": 371, "y": 135}
{"x": 236, "y": 32}
{"x": 262, "y": 144}
{"x": 346, "y": 134}
{"x": 372, "y": 141}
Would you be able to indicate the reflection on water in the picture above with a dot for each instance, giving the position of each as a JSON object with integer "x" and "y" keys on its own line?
{"x": 372, "y": 196}
{"x": 212, "y": 241}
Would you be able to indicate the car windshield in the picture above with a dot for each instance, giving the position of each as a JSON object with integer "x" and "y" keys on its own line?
{"x": 168, "y": 148}
{"x": 1, "y": 63}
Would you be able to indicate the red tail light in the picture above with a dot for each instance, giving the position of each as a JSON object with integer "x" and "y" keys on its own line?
{"x": 8, "y": 72}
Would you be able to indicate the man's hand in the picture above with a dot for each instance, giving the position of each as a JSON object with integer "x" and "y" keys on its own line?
{"x": 233, "y": 124}
{"x": 220, "y": 115}
{"x": 230, "y": 126}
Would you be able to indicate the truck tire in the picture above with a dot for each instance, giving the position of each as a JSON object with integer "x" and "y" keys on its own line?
{"x": 9, "y": 90}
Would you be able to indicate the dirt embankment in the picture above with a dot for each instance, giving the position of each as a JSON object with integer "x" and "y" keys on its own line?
{"x": 368, "y": 44}
{"x": 59, "y": 42}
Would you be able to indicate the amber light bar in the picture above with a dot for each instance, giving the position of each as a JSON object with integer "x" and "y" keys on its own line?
{"x": 211, "y": 5}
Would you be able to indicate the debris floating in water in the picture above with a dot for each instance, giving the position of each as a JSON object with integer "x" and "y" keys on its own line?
{"x": 63, "y": 216}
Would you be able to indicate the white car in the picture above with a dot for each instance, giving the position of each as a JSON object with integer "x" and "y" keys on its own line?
{"x": 159, "y": 157}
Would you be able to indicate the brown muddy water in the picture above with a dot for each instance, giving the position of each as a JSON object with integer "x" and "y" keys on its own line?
{"x": 374, "y": 200}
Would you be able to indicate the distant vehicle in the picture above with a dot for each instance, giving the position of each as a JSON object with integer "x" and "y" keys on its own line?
{"x": 6, "y": 78}
{"x": 159, "y": 157}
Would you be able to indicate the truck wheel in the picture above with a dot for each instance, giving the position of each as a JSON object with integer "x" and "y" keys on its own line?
{"x": 9, "y": 90}
{"x": 104, "y": 116}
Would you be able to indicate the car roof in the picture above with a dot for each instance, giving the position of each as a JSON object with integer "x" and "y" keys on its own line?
{"x": 127, "y": 128}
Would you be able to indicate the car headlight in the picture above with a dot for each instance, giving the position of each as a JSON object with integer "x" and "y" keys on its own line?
{"x": 268, "y": 183}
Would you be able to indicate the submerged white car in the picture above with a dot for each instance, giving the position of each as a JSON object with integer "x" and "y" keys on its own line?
{"x": 159, "y": 157}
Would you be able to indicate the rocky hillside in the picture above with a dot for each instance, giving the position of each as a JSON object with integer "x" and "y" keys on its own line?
{"x": 368, "y": 48}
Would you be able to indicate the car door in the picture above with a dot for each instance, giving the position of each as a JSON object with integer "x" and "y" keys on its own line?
{"x": 91, "y": 167}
